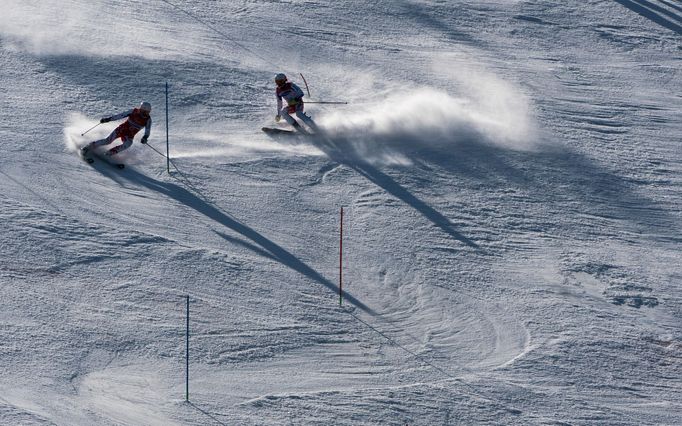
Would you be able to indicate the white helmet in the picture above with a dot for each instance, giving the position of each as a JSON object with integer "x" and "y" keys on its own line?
{"x": 146, "y": 106}
{"x": 280, "y": 79}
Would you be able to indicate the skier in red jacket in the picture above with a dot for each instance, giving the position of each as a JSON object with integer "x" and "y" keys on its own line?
{"x": 138, "y": 118}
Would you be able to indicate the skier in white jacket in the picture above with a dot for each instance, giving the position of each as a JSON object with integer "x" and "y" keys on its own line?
{"x": 293, "y": 95}
{"x": 138, "y": 118}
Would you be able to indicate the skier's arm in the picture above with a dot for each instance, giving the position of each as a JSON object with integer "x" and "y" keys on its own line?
{"x": 279, "y": 108}
{"x": 116, "y": 116}
{"x": 147, "y": 128}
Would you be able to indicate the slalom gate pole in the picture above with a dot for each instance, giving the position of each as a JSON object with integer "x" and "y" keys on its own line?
{"x": 187, "y": 354}
{"x": 83, "y": 134}
{"x": 167, "y": 144}
{"x": 341, "y": 260}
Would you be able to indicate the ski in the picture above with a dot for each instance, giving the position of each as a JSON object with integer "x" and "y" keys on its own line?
{"x": 278, "y": 131}
{"x": 287, "y": 132}
{"x": 89, "y": 158}
{"x": 117, "y": 165}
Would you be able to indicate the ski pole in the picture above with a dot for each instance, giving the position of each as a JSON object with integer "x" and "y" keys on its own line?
{"x": 186, "y": 179}
{"x": 163, "y": 155}
{"x": 83, "y": 134}
{"x": 156, "y": 150}
{"x": 306, "y": 84}
{"x": 325, "y": 102}
{"x": 318, "y": 102}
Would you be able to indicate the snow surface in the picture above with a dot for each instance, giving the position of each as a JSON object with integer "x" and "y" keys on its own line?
{"x": 511, "y": 178}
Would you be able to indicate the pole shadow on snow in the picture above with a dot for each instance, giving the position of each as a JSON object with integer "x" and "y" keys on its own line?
{"x": 655, "y": 13}
{"x": 206, "y": 413}
{"x": 261, "y": 244}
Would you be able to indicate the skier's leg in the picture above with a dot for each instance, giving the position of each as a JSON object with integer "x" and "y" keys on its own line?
{"x": 286, "y": 114}
{"x": 106, "y": 141}
{"x": 307, "y": 120}
{"x": 287, "y": 117}
{"x": 127, "y": 141}
{"x": 299, "y": 128}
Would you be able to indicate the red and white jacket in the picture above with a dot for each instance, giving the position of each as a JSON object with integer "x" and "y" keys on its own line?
{"x": 291, "y": 93}
{"x": 135, "y": 122}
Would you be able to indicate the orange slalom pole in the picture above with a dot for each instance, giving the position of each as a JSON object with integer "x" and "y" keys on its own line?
{"x": 341, "y": 260}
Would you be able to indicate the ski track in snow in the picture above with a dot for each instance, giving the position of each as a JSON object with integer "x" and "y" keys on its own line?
{"x": 511, "y": 177}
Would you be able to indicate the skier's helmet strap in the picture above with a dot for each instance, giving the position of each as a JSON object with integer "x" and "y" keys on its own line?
{"x": 146, "y": 106}
{"x": 280, "y": 79}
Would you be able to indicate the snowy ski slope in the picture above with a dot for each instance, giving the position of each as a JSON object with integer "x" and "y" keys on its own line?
{"x": 510, "y": 174}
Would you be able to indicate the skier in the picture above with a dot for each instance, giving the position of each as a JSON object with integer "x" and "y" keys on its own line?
{"x": 137, "y": 119}
{"x": 293, "y": 95}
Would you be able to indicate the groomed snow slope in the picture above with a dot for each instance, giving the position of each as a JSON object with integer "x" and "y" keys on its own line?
{"x": 510, "y": 173}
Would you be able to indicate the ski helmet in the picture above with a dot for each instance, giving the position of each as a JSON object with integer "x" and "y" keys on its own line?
{"x": 280, "y": 79}
{"x": 146, "y": 106}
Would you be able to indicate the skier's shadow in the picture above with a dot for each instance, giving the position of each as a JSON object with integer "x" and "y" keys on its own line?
{"x": 333, "y": 150}
{"x": 261, "y": 245}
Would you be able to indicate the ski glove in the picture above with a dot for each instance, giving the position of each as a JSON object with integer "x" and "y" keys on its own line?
{"x": 278, "y": 118}
{"x": 144, "y": 139}
{"x": 105, "y": 120}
